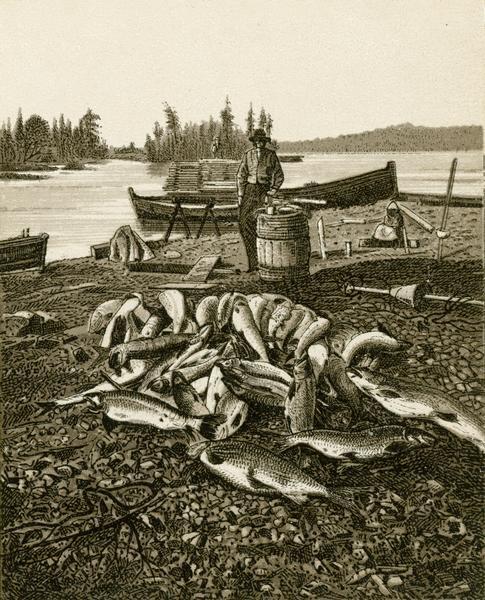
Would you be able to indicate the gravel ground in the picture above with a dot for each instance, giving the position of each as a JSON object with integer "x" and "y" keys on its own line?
{"x": 131, "y": 515}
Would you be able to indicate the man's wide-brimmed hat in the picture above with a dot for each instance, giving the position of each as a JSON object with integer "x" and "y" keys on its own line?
{"x": 259, "y": 134}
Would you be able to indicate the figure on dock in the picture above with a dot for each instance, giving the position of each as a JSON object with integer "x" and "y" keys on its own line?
{"x": 259, "y": 175}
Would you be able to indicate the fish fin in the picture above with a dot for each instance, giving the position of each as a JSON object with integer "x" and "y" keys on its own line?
{"x": 210, "y": 423}
{"x": 213, "y": 457}
{"x": 108, "y": 424}
{"x": 47, "y": 407}
{"x": 103, "y": 354}
{"x": 285, "y": 443}
{"x": 344, "y": 499}
{"x": 396, "y": 447}
{"x": 297, "y": 498}
{"x": 349, "y": 455}
{"x": 444, "y": 416}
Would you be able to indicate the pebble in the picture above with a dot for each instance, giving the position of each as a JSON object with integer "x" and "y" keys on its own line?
{"x": 394, "y": 581}
{"x": 245, "y": 531}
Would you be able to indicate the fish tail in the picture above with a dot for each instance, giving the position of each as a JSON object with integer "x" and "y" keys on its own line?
{"x": 285, "y": 442}
{"x": 210, "y": 423}
{"x": 344, "y": 499}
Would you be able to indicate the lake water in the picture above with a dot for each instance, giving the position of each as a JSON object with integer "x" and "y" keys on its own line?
{"x": 80, "y": 208}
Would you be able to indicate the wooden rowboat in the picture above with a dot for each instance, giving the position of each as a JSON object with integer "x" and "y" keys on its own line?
{"x": 366, "y": 188}
{"x": 161, "y": 208}
{"x": 23, "y": 252}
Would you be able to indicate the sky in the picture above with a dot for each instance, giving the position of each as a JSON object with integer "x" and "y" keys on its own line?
{"x": 320, "y": 67}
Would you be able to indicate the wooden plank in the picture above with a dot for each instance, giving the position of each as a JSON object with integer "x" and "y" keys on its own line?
{"x": 203, "y": 268}
{"x": 185, "y": 285}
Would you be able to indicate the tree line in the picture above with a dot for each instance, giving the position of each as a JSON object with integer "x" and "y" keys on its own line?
{"x": 35, "y": 141}
{"x": 396, "y": 138}
{"x": 211, "y": 138}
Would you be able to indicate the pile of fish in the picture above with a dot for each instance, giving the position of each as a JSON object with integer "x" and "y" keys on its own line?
{"x": 202, "y": 367}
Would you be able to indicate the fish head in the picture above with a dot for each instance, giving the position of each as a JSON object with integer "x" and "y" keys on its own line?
{"x": 229, "y": 363}
{"x": 178, "y": 379}
{"x": 418, "y": 437}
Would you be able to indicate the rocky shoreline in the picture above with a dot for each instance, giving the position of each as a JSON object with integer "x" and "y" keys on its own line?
{"x": 149, "y": 521}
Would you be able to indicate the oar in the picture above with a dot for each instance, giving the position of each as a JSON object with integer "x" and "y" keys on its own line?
{"x": 446, "y": 208}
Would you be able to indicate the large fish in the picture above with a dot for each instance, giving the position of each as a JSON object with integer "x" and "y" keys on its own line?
{"x": 337, "y": 378}
{"x": 364, "y": 444}
{"x": 409, "y": 399}
{"x": 225, "y": 306}
{"x": 196, "y": 343}
{"x": 173, "y": 301}
{"x": 127, "y": 378}
{"x": 206, "y": 311}
{"x": 148, "y": 348}
{"x": 132, "y": 407}
{"x": 272, "y": 302}
{"x": 318, "y": 355}
{"x": 370, "y": 342}
{"x": 307, "y": 320}
{"x": 102, "y": 315}
{"x": 251, "y": 385}
{"x": 257, "y": 305}
{"x": 186, "y": 397}
{"x": 253, "y": 468}
{"x": 284, "y": 333}
{"x": 243, "y": 323}
{"x": 301, "y": 399}
{"x": 280, "y": 314}
{"x": 123, "y": 325}
{"x": 220, "y": 399}
{"x": 314, "y": 332}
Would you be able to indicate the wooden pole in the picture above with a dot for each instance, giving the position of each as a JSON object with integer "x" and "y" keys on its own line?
{"x": 321, "y": 237}
{"x": 405, "y": 239}
{"x": 446, "y": 207}
{"x": 416, "y": 218}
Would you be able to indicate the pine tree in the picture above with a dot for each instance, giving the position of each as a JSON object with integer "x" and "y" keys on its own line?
{"x": 269, "y": 125}
{"x": 150, "y": 149}
{"x": 250, "y": 121}
{"x": 55, "y": 138}
{"x": 227, "y": 127}
{"x": 262, "y": 119}
{"x": 19, "y": 137}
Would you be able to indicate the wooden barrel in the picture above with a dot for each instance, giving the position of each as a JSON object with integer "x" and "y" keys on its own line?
{"x": 283, "y": 244}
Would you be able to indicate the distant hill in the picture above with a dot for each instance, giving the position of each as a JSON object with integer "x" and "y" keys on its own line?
{"x": 396, "y": 138}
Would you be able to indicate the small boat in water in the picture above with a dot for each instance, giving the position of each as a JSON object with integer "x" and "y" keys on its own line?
{"x": 23, "y": 252}
{"x": 194, "y": 196}
{"x": 287, "y": 158}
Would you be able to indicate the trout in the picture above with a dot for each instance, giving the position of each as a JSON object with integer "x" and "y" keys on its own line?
{"x": 253, "y": 468}
{"x": 417, "y": 401}
{"x": 132, "y": 407}
{"x": 220, "y": 399}
{"x": 254, "y": 384}
{"x": 301, "y": 399}
{"x": 243, "y": 323}
{"x": 365, "y": 444}
{"x": 148, "y": 348}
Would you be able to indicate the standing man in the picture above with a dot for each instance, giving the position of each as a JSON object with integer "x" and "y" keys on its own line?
{"x": 259, "y": 175}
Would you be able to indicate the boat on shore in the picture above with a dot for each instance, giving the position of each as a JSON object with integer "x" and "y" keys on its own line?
{"x": 194, "y": 194}
{"x": 23, "y": 252}
{"x": 161, "y": 208}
